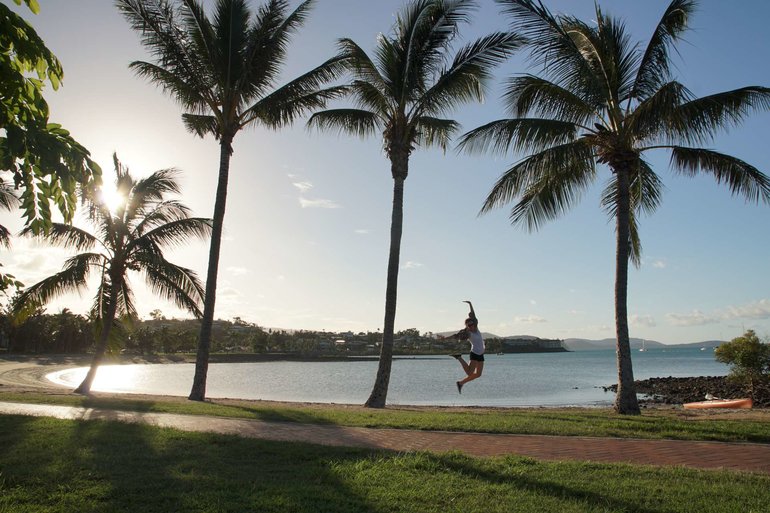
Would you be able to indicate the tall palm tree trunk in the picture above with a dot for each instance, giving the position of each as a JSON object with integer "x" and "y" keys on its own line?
{"x": 380, "y": 390}
{"x": 198, "y": 391}
{"x": 101, "y": 345}
{"x": 625, "y": 400}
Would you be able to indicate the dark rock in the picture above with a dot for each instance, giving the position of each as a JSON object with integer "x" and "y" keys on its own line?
{"x": 672, "y": 390}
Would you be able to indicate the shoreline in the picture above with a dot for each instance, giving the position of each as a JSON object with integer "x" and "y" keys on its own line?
{"x": 27, "y": 374}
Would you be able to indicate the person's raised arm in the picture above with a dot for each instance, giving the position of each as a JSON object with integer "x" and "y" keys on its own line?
{"x": 471, "y": 314}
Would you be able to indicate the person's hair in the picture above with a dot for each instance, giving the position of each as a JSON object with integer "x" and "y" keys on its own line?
{"x": 471, "y": 319}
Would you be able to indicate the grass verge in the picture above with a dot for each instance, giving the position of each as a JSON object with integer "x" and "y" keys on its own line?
{"x": 652, "y": 424}
{"x": 52, "y": 466}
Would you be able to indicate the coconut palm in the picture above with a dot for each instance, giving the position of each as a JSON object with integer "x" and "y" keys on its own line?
{"x": 223, "y": 71}
{"x": 602, "y": 99}
{"x": 130, "y": 239}
{"x": 399, "y": 94}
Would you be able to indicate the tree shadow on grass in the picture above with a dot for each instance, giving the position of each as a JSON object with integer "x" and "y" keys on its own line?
{"x": 522, "y": 476}
{"x": 117, "y": 467}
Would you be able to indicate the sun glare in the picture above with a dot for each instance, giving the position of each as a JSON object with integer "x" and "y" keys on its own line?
{"x": 109, "y": 378}
{"x": 111, "y": 198}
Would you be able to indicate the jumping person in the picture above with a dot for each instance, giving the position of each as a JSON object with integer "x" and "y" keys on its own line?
{"x": 475, "y": 364}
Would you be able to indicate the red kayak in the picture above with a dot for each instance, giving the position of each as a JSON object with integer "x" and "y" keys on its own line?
{"x": 721, "y": 403}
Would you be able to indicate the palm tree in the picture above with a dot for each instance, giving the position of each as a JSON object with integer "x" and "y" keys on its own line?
{"x": 605, "y": 100}
{"x": 399, "y": 94}
{"x": 130, "y": 239}
{"x": 223, "y": 72}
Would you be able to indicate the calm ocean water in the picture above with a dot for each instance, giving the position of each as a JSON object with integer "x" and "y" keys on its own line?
{"x": 544, "y": 379}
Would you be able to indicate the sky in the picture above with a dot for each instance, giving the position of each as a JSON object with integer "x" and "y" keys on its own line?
{"x": 306, "y": 233}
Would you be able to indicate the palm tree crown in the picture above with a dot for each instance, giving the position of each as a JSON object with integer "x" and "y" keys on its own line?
{"x": 130, "y": 239}
{"x": 224, "y": 70}
{"x": 402, "y": 93}
{"x": 603, "y": 99}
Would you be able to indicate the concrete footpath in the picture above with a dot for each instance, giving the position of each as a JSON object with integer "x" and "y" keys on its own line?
{"x": 705, "y": 455}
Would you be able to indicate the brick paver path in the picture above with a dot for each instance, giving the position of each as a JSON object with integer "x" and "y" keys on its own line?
{"x": 734, "y": 456}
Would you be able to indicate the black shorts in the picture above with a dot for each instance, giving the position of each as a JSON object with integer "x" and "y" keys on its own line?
{"x": 477, "y": 357}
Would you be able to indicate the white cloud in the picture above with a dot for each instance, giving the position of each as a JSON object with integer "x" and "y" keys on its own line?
{"x": 694, "y": 318}
{"x": 646, "y": 321}
{"x": 317, "y": 203}
{"x": 755, "y": 310}
{"x": 238, "y": 271}
{"x": 659, "y": 264}
{"x": 411, "y": 265}
{"x": 529, "y": 319}
{"x": 303, "y": 186}
{"x": 362, "y": 231}
{"x": 228, "y": 292}
{"x": 532, "y": 302}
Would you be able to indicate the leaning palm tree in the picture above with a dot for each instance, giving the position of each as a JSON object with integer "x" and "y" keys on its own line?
{"x": 603, "y": 99}
{"x": 130, "y": 239}
{"x": 399, "y": 94}
{"x": 223, "y": 71}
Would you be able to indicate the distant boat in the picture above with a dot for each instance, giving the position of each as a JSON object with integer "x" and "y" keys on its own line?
{"x": 642, "y": 348}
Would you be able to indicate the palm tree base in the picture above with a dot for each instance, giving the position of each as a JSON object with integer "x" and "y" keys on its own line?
{"x": 82, "y": 390}
{"x": 374, "y": 403}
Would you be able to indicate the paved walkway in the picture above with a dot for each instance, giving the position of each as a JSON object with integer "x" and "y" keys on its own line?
{"x": 709, "y": 455}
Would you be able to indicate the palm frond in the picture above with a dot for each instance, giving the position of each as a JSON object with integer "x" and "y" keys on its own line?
{"x": 65, "y": 236}
{"x": 202, "y": 125}
{"x": 8, "y": 198}
{"x": 8, "y": 201}
{"x": 177, "y": 233}
{"x": 173, "y": 84}
{"x": 468, "y": 74}
{"x": 176, "y": 284}
{"x": 422, "y": 36}
{"x": 742, "y": 178}
{"x": 298, "y": 97}
{"x": 360, "y": 65}
{"x": 526, "y": 95}
{"x": 73, "y": 277}
{"x": 548, "y": 182}
{"x": 552, "y": 44}
{"x": 356, "y": 122}
{"x": 697, "y": 121}
{"x": 645, "y": 192}
{"x": 162, "y": 35}
{"x": 652, "y": 117}
{"x": 435, "y": 132}
{"x": 5, "y": 237}
{"x": 125, "y": 300}
{"x": 654, "y": 67}
{"x": 518, "y": 135}
{"x": 159, "y": 214}
{"x": 613, "y": 57}
{"x": 264, "y": 50}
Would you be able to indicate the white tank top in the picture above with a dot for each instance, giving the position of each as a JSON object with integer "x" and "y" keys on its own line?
{"x": 477, "y": 342}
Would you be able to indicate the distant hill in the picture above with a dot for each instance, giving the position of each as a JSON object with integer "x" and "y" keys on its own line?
{"x": 582, "y": 344}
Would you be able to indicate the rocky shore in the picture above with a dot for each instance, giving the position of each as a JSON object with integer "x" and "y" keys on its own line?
{"x": 672, "y": 390}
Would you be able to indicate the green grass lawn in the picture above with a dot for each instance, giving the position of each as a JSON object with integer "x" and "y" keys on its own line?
{"x": 653, "y": 423}
{"x": 49, "y": 465}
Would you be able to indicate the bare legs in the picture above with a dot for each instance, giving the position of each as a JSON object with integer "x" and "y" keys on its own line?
{"x": 473, "y": 370}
